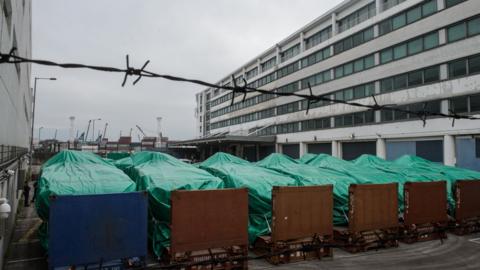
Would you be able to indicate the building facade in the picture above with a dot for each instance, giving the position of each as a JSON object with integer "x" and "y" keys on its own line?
{"x": 15, "y": 108}
{"x": 413, "y": 54}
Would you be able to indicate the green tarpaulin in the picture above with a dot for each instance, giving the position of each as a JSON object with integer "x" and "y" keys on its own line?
{"x": 362, "y": 174}
{"x": 239, "y": 173}
{"x": 76, "y": 173}
{"x": 159, "y": 174}
{"x": 117, "y": 155}
{"x": 306, "y": 158}
{"x": 447, "y": 173}
{"x": 308, "y": 175}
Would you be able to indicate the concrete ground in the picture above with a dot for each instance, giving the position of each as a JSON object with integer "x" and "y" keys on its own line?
{"x": 457, "y": 252}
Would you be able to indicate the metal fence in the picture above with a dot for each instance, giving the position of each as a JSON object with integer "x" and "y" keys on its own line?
{"x": 10, "y": 153}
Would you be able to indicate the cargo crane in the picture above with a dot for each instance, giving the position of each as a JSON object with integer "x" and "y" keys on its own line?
{"x": 105, "y": 130}
{"x": 88, "y": 129}
{"x": 141, "y": 131}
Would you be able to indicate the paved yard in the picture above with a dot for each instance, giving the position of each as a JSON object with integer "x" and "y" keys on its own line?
{"x": 456, "y": 252}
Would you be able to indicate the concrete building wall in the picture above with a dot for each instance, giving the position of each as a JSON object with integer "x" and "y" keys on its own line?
{"x": 15, "y": 108}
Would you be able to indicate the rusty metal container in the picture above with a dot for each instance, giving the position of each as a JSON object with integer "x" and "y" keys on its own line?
{"x": 467, "y": 206}
{"x": 302, "y": 225}
{"x": 372, "y": 207}
{"x": 299, "y": 212}
{"x": 209, "y": 226}
{"x": 425, "y": 202}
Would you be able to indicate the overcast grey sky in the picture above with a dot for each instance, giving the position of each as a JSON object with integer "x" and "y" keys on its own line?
{"x": 203, "y": 39}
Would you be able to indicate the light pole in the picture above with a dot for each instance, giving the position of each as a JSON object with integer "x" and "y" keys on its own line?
{"x": 33, "y": 109}
{"x": 39, "y": 133}
{"x": 93, "y": 128}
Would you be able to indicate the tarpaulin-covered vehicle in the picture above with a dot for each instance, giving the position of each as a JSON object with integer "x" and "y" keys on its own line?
{"x": 309, "y": 175}
{"x": 159, "y": 174}
{"x": 76, "y": 173}
{"x": 364, "y": 175}
{"x": 239, "y": 173}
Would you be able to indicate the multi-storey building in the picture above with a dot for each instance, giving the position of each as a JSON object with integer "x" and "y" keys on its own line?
{"x": 15, "y": 108}
{"x": 410, "y": 53}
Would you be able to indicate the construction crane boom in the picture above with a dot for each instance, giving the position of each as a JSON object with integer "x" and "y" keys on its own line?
{"x": 141, "y": 131}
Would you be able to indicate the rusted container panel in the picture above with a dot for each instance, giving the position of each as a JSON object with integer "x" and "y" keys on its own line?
{"x": 467, "y": 195}
{"x": 205, "y": 219}
{"x": 372, "y": 207}
{"x": 425, "y": 202}
{"x": 300, "y": 212}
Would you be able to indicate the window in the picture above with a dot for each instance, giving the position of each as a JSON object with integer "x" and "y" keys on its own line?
{"x": 269, "y": 63}
{"x": 415, "y": 46}
{"x": 474, "y": 27}
{"x": 287, "y": 70}
{"x": 430, "y": 41}
{"x": 355, "y": 66}
{"x": 318, "y": 37}
{"x": 400, "y": 51}
{"x": 457, "y": 32}
{"x": 357, "y": 17}
{"x": 412, "y": 15}
{"x": 386, "y": 56}
{"x": 252, "y": 73}
{"x": 457, "y": 68}
{"x": 400, "y": 82}
{"x": 399, "y": 21}
{"x": 449, "y": 3}
{"x": 316, "y": 57}
{"x": 315, "y": 124}
{"x": 386, "y": 85}
{"x": 415, "y": 78}
{"x": 475, "y": 103}
{"x": 432, "y": 74}
{"x": 353, "y": 41}
{"x": 290, "y": 52}
{"x": 474, "y": 65}
{"x": 459, "y": 104}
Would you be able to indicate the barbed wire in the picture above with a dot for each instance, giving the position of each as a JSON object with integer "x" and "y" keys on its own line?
{"x": 244, "y": 89}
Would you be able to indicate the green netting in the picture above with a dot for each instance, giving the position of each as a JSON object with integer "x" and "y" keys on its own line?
{"x": 306, "y": 158}
{"x": 76, "y": 173}
{"x": 159, "y": 174}
{"x": 117, "y": 155}
{"x": 239, "y": 173}
{"x": 447, "y": 173}
{"x": 308, "y": 175}
{"x": 362, "y": 174}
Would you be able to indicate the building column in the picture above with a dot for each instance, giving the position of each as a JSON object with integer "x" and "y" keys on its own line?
{"x": 381, "y": 148}
{"x": 378, "y": 6}
{"x": 278, "y": 148}
{"x": 302, "y": 42}
{"x": 440, "y": 4}
{"x": 449, "y": 155}
{"x": 334, "y": 24}
{"x": 303, "y": 149}
{"x": 336, "y": 149}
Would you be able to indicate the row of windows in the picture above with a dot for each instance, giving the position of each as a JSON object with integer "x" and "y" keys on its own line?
{"x": 355, "y": 119}
{"x": 242, "y": 104}
{"x": 464, "y": 29}
{"x": 355, "y": 66}
{"x": 357, "y": 17}
{"x": 315, "y": 57}
{"x": 289, "y": 88}
{"x": 412, "y": 15}
{"x": 361, "y": 91}
{"x": 289, "y": 53}
{"x": 266, "y": 79}
{"x": 353, "y": 40}
{"x": 463, "y": 67}
{"x": 387, "y": 4}
{"x": 269, "y": 63}
{"x": 318, "y": 37}
{"x": 316, "y": 79}
{"x": 288, "y": 108}
{"x": 410, "y": 79}
{"x": 287, "y": 70}
{"x": 307, "y": 125}
{"x": 431, "y": 106}
{"x": 409, "y": 48}
{"x": 465, "y": 104}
